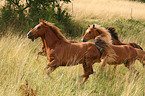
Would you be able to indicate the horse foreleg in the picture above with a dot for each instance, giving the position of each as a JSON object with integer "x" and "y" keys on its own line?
{"x": 87, "y": 67}
{"x": 51, "y": 66}
{"x": 41, "y": 53}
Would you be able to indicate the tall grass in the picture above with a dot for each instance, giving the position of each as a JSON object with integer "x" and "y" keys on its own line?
{"x": 18, "y": 63}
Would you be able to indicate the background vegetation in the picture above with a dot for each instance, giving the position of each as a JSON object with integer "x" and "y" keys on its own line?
{"x": 24, "y": 14}
{"x": 18, "y": 54}
{"x": 139, "y": 0}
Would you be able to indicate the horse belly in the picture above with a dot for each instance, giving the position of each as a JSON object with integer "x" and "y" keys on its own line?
{"x": 123, "y": 55}
{"x": 71, "y": 61}
{"x": 70, "y": 57}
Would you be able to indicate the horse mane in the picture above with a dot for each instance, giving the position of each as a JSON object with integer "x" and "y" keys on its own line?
{"x": 112, "y": 31}
{"x": 56, "y": 30}
{"x": 105, "y": 34}
{"x": 107, "y": 49}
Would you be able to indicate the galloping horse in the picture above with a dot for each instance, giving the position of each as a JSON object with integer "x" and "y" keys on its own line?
{"x": 124, "y": 54}
{"x": 94, "y": 30}
{"x": 62, "y": 53}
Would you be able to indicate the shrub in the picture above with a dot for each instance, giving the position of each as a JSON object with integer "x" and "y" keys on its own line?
{"x": 26, "y": 15}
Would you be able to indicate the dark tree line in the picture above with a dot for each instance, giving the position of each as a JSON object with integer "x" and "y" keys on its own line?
{"x": 20, "y": 11}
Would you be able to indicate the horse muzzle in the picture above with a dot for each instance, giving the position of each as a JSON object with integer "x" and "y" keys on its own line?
{"x": 30, "y": 36}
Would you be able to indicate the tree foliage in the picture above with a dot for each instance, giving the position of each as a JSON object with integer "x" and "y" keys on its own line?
{"x": 25, "y": 11}
{"x": 139, "y": 0}
{"x": 21, "y": 15}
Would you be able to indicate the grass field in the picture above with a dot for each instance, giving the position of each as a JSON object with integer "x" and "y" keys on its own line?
{"x": 18, "y": 59}
{"x": 106, "y": 9}
{"x": 18, "y": 63}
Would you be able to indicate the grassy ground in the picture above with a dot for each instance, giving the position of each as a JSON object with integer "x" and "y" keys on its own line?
{"x": 18, "y": 63}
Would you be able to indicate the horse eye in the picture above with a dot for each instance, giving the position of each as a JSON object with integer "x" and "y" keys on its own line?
{"x": 38, "y": 27}
{"x": 89, "y": 32}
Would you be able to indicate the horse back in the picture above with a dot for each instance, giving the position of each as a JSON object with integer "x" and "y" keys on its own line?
{"x": 124, "y": 52}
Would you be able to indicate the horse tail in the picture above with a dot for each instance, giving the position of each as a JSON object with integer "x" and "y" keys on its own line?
{"x": 110, "y": 53}
{"x": 135, "y": 45}
{"x": 112, "y": 31}
{"x": 141, "y": 56}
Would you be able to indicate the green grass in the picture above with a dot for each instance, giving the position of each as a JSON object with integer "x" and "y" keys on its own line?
{"x": 18, "y": 63}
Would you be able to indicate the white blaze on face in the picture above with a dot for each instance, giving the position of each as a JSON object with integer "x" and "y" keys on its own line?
{"x": 36, "y": 26}
{"x": 87, "y": 31}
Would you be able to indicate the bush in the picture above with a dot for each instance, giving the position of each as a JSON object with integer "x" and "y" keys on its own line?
{"x": 24, "y": 16}
{"x": 139, "y": 0}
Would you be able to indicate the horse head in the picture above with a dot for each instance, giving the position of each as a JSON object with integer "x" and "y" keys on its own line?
{"x": 37, "y": 31}
{"x": 91, "y": 33}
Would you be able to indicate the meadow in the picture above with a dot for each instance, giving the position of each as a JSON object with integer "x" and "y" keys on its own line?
{"x": 106, "y": 9}
{"x": 18, "y": 61}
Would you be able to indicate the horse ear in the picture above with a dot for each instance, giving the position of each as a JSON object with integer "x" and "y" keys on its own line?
{"x": 41, "y": 20}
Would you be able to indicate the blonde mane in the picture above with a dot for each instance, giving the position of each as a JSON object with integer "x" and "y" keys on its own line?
{"x": 56, "y": 30}
{"x": 105, "y": 34}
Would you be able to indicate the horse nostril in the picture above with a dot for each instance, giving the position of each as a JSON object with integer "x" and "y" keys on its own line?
{"x": 84, "y": 40}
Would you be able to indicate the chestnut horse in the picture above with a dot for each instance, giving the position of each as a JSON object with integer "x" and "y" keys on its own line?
{"x": 62, "y": 53}
{"x": 94, "y": 30}
{"x": 124, "y": 54}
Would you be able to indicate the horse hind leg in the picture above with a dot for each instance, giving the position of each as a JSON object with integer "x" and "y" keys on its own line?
{"x": 129, "y": 64}
{"x": 104, "y": 62}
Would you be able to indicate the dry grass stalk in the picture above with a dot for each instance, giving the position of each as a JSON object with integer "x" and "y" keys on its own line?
{"x": 26, "y": 91}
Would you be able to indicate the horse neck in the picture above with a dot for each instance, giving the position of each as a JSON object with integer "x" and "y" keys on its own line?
{"x": 105, "y": 35}
{"x": 50, "y": 40}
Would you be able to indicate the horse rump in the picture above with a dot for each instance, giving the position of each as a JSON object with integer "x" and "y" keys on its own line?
{"x": 141, "y": 55}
